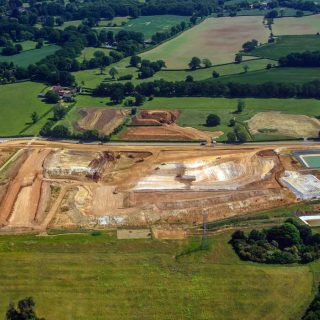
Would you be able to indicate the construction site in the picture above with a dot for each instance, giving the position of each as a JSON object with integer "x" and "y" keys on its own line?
{"x": 54, "y": 185}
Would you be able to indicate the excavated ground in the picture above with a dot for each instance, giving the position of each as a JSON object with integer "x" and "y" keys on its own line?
{"x": 99, "y": 186}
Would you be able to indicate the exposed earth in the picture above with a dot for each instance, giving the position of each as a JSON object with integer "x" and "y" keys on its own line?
{"x": 61, "y": 185}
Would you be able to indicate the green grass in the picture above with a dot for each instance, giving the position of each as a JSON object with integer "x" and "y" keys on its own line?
{"x": 194, "y": 111}
{"x": 88, "y": 53}
{"x": 287, "y": 44}
{"x": 284, "y": 75}
{"x": 25, "y": 58}
{"x": 93, "y": 78}
{"x": 149, "y": 25}
{"x": 89, "y": 277}
{"x": 17, "y": 102}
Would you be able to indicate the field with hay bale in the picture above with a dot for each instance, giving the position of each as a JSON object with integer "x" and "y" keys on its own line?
{"x": 217, "y": 39}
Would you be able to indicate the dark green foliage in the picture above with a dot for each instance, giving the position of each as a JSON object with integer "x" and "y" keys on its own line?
{"x": 52, "y": 97}
{"x": 195, "y": 63}
{"x": 313, "y": 312}
{"x": 213, "y": 120}
{"x": 59, "y": 112}
{"x": 288, "y": 243}
{"x": 24, "y": 311}
{"x": 304, "y": 59}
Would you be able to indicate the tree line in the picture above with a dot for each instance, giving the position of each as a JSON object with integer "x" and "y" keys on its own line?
{"x": 210, "y": 88}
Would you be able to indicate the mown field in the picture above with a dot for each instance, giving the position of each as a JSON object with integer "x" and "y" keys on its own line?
{"x": 296, "y": 26}
{"x": 287, "y": 44}
{"x": 149, "y": 25}
{"x": 94, "y": 277}
{"x": 218, "y": 39}
{"x": 285, "y": 75}
{"x": 93, "y": 78}
{"x": 88, "y": 53}
{"x": 31, "y": 56}
{"x": 17, "y": 102}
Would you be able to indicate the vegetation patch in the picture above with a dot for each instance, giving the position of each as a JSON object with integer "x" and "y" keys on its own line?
{"x": 289, "y": 243}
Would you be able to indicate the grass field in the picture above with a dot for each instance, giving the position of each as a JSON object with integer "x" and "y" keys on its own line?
{"x": 218, "y": 39}
{"x": 297, "y": 26}
{"x": 288, "y": 75}
{"x": 92, "y": 78}
{"x": 149, "y": 25}
{"x": 88, "y": 53}
{"x": 17, "y": 102}
{"x": 287, "y": 44}
{"x": 89, "y": 277}
{"x": 27, "y": 57}
{"x": 194, "y": 111}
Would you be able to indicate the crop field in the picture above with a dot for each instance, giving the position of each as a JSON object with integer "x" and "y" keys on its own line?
{"x": 90, "y": 276}
{"x": 287, "y": 44}
{"x": 25, "y": 58}
{"x": 17, "y": 102}
{"x": 149, "y": 25}
{"x": 297, "y": 26}
{"x": 218, "y": 39}
{"x": 286, "y": 75}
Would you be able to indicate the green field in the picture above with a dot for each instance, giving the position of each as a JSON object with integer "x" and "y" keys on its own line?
{"x": 149, "y": 25}
{"x": 25, "y": 58}
{"x": 91, "y": 277}
{"x": 287, "y": 44}
{"x": 195, "y": 110}
{"x": 17, "y": 102}
{"x": 218, "y": 39}
{"x": 285, "y": 75}
{"x": 93, "y": 78}
{"x": 88, "y": 53}
{"x": 296, "y": 26}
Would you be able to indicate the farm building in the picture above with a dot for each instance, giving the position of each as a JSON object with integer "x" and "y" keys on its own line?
{"x": 303, "y": 186}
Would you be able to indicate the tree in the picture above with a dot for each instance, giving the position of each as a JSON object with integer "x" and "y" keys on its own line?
{"x": 113, "y": 72}
{"x": 232, "y": 122}
{"x": 240, "y": 106}
{"x": 60, "y": 131}
{"x": 215, "y": 74}
{"x": 117, "y": 95}
{"x": 34, "y": 117}
{"x": 231, "y": 137}
{"x": 189, "y": 78}
{"x": 52, "y": 97}
{"x": 213, "y": 120}
{"x": 59, "y": 112}
{"x": 238, "y": 58}
{"x": 91, "y": 135}
{"x": 245, "y": 68}
{"x": 139, "y": 99}
{"x": 24, "y": 311}
{"x": 135, "y": 61}
{"x": 194, "y": 63}
{"x": 207, "y": 63}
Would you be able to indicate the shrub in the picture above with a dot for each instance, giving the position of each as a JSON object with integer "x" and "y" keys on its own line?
{"x": 213, "y": 120}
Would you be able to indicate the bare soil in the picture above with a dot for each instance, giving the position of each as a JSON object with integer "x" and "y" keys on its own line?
{"x": 104, "y": 120}
{"x": 298, "y": 126}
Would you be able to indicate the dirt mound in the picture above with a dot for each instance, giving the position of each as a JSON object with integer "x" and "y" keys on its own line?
{"x": 102, "y": 119}
{"x": 166, "y": 132}
{"x": 155, "y": 117}
{"x": 293, "y": 125}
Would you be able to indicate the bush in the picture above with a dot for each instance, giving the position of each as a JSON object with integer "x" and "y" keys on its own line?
{"x": 213, "y": 120}
{"x": 52, "y": 97}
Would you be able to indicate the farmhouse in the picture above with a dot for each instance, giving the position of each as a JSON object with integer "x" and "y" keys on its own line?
{"x": 66, "y": 93}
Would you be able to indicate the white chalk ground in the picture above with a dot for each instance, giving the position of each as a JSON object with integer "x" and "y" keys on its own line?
{"x": 303, "y": 186}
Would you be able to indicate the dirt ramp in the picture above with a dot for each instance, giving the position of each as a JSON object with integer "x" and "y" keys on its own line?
{"x": 155, "y": 117}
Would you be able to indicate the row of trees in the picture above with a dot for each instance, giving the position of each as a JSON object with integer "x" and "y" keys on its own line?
{"x": 305, "y": 59}
{"x": 313, "y": 312}
{"x": 288, "y": 243}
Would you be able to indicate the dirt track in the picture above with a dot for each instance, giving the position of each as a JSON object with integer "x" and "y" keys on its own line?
{"x": 140, "y": 185}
